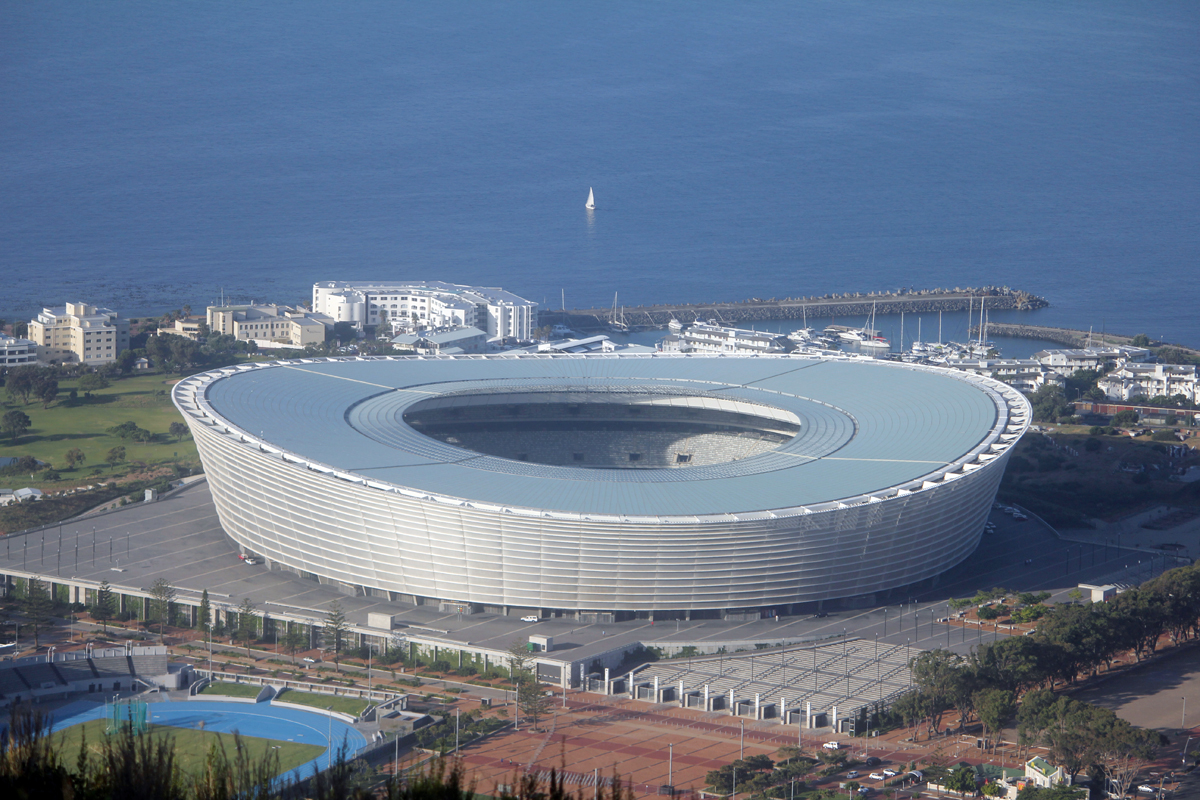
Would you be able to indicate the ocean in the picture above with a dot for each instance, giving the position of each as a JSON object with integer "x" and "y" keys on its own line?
{"x": 154, "y": 155}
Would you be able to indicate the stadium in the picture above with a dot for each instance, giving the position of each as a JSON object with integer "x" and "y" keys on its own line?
{"x": 605, "y": 487}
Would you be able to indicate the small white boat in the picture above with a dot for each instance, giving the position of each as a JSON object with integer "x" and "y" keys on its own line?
{"x": 591, "y": 203}
{"x": 877, "y": 342}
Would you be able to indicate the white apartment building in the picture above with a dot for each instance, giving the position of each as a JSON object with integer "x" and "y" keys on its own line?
{"x": 414, "y": 306}
{"x": 1143, "y": 381}
{"x": 1066, "y": 362}
{"x": 16, "y": 351}
{"x": 1025, "y": 374}
{"x": 79, "y": 333}
{"x": 269, "y": 323}
{"x": 708, "y": 337}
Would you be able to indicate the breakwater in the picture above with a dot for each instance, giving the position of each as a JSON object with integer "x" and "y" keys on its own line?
{"x": 832, "y": 305}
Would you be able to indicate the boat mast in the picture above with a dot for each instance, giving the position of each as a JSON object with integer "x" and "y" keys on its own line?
{"x": 901, "y": 331}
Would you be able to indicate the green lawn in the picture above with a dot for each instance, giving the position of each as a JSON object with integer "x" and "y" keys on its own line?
{"x": 191, "y": 746}
{"x": 232, "y": 689}
{"x": 62, "y": 427}
{"x": 346, "y": 705}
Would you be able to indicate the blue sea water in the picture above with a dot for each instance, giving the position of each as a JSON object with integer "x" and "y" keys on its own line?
{"x": 155, "y": 154}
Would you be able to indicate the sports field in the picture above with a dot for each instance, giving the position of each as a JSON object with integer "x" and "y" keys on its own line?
{"x": 304, "y": 738}
{"x": 347, "y": 705}
{"x": 192, "y": 746}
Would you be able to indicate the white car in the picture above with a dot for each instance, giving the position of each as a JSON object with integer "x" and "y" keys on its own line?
{"x": 832, "y": 746}
{"x": 852, "y": 774}
{"x": 890, "y": 773}
{"x": 1146, "y": 788}
{"x": 877, "y": 776}
{"x": 308, "y": 660}
{"x": 531, "y": 618}
{"x": 251, "y": 560}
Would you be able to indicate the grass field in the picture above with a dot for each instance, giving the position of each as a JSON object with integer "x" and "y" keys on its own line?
{"x": 144, "y": 399}
{"x": 346, "y": 705}
{"x": 191, "y": 746}
{"x": 232, "y": 689}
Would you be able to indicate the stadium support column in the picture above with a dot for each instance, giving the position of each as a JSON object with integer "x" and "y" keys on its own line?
{"x": 783, "y": 711}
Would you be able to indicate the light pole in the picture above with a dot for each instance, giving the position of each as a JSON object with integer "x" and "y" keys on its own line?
{"x": 671, "y": 766}
{"x": 209, "y": 626}
{"x": 1183, "y": 714}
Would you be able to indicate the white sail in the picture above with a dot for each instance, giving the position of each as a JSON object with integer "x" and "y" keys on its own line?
{"x": 591, "y": 203}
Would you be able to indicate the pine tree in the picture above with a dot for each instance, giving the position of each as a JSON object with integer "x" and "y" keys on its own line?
{"x": 105, "y": 608}
{"x": 336, "y": 629}
{"x": 204, "y": 612}
{"x": 162, "y": 595}
{"x": 247, "y": 629}
{"x": 37, "y": 606}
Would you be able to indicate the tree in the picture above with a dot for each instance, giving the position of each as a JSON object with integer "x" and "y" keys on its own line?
{"x": 20, "y": 383}
{"x": 994, "y": 707}
{"x": 178, "y": 429}
{"x": 46, "y": 389}
{"x": 1141, "y": 340}
{"x": 532, "y": 700}
{"x": 247, "y": 629}
{"x": 93, "y": 381}
{"x": 335, "y": 632}
{"x": 1049, "y": 403}
{"x": 1126, "y": 751}
{"x": 106, "y": 605}
{"x": 115, "y": 456}
{"x": 74, "y": 456}
{"x": 37, "y": 607}
{"x": 962, "y": 779}
{"x": 162, "y": 595}
{"x": 293, "y": 640}
{"x": 204, "y": 612}
{"x": 1126, "y": 417}
{"x": 15, "y": 423}
{"x": 935, "y": 673}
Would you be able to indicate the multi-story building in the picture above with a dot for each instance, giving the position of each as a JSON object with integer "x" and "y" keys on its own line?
{"x": 1134, "y": 381}
{"x": 413, "y": 306}
{"x": 187, "y": 327}
{"x": 269, "y": 323}
{"x": 709, "y": 337}
{"x": 79, "y": 333}
{"x": 1026, "y": 374}
{"x": 1066, "y": 362}
{"x": 16, "y": 351}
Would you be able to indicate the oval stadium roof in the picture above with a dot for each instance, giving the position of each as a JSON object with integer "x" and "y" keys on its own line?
{"x": 867, "y": 427}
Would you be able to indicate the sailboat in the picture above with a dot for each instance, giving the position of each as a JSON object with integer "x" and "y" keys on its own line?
{"x": 617, "y": 321}
{"x": 591, "y": 203}
{"x": 871, "y": 337}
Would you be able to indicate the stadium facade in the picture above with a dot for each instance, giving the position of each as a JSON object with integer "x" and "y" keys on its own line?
{"x": 605, "y": 486}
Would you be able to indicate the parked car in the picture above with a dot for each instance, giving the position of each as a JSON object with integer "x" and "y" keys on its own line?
{"x": 852, "y": 774}
{"x": 1146, "y": 788}
{"x": 890, "y": 773}
{"x": 308, "y": 660}
{"x": 251, "y": 560}
{"x": 877, "y": 776}
{"x": 531, "y": 618}
{"x": 832, "y": 745}
{"x": 873, "y": 761}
